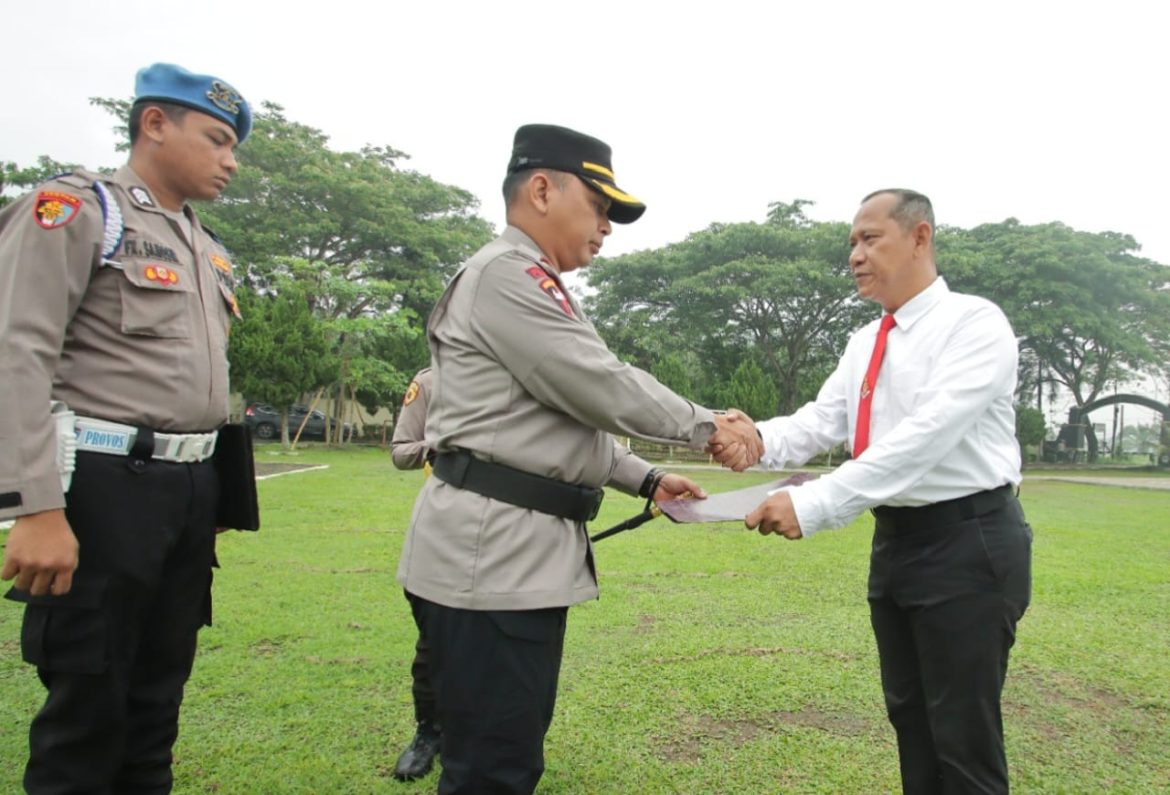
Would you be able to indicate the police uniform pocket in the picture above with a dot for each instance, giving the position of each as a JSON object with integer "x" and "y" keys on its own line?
{"x": 155, "y": 299}
{"x": 66, "y": 634}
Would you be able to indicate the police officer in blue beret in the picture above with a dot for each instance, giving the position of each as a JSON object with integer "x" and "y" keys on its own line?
{"x": 115, "y": 303}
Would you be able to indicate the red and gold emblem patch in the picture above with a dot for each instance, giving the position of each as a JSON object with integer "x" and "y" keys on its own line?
{"x": 161, "y": 274}
{"x": 411, "y": 393}
{"x": 54, "y": 209}
{"x": 552, "y": 287}
{"x": 221, "y": 263}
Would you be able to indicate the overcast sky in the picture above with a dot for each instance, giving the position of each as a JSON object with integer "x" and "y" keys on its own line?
{"x": 1038, "y": 110}
{"x": 1043, "y": 111}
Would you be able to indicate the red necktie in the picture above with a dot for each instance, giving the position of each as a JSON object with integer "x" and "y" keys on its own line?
{"x": 861, "y": 434}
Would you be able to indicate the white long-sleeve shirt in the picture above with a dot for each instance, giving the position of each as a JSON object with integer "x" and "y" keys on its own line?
{"x": 942, "y": 423}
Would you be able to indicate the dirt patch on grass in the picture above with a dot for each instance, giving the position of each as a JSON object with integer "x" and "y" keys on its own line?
{"x": 358, "y": 661}
{"x": 687, "y": 746}
{"x": 705, "y": 731}
{"x": 843, "y": 725}
{"x": 645, "y": 625}
{"x": 267, "y": 647}
{"x": 1068, "y": 692}
{"x": 1056, "y": 705}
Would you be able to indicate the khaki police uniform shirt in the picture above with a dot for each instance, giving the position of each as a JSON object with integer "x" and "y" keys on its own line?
{"x": 141, "y": 341}
{"x": 522, "y": 378}
{"x": 408, "y": 446}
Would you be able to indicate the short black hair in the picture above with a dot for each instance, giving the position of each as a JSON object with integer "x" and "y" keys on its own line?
{"x": 513, "y": 181}
{"x": 912, "y": 207}
{"x": 173, "y": 112}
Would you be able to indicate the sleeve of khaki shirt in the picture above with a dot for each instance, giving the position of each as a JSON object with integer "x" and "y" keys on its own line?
{"x": 561, "y": 361}
{"x": 408, "y": 446}
{"x": 43, "y": 276}
{"x": 629, "y": 470}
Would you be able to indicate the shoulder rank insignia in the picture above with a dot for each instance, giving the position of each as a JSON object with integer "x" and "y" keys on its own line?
{"x": 54, "y": 209}
{"x": 550, "y": 286}
{"x": 411, "y": 393}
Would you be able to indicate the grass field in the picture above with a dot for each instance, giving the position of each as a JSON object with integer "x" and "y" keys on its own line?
{"x": 716, "y": 661}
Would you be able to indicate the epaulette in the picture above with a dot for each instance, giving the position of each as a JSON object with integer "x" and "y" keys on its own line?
{"x": 75, "y": 179}
{"x": 113, "y": 224}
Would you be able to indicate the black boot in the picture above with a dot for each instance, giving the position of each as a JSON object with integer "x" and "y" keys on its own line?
{"x": 418, "y": 758}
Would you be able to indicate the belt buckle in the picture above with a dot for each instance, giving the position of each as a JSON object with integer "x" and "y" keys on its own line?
{"x": 194, "y": 448}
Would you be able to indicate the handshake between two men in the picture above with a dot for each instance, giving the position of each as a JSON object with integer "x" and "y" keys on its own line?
{"x": 737, "y": 445}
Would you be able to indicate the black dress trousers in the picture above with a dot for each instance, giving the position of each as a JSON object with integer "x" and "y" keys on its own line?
{"x": 420, "y": 675}
{"x": 947, "y": 584}
{"x": 495, "y": 674}
{"x": 115, "y": 652}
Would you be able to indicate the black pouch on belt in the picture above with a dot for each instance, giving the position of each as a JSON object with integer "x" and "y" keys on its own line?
{"x": 238, "y": 507}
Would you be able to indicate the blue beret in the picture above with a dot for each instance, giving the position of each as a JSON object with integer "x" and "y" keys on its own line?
{"x": 165, "y": 82}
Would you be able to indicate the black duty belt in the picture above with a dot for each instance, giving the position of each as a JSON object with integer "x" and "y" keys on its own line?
{"x": 515, "y": 487}
{"x": 941, "y": 514}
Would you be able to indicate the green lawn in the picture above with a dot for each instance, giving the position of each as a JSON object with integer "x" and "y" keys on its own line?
{"x": 716, "y": 661}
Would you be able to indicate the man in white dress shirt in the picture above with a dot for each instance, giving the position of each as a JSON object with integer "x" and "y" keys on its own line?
{"x": 925, "y": 397}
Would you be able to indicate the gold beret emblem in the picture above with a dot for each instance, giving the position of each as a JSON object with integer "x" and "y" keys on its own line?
{"x": 224, "y": 97}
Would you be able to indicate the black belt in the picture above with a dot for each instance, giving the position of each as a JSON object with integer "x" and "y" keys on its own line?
{"x": 941, "y": 514}
{"x": 500, "y": 482}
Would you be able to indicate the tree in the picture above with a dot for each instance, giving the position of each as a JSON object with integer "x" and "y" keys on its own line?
{"x": 1141, "y": 438}
{"x": 1031, "y": 427}
{"x": 671, "y": 370}
{"x": 778, "y": 293}
{"x": 371, "y": 243}
{"x": 1090, "y": 313}
{"x": 750, "y": 390}
{"x": 30, "y": 176}
{"x": 278, "y": 350}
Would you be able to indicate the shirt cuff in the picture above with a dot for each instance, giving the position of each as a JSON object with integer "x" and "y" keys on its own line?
{"x": 42, "y": 494}
{"x": 809, "y": 505}
{"x": 704, "y": 428}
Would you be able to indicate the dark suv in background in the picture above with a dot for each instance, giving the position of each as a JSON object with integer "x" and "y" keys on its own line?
{"x": 264, "y": 420}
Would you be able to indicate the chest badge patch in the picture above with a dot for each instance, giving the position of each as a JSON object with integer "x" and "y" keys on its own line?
{"x": 54, "y": 209}
{"x": 141, "y": 196}
{"x": 163, "y": 275}
{"x": 550, "y": 286}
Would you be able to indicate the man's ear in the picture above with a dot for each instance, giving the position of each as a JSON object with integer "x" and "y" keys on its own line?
{"x": 923, "y": 235}
{"x": 540, "y": 189}
{"x": 153, "y": 123}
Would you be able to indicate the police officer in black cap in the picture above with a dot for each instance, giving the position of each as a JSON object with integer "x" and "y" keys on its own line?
{"x": 525, "y": 401}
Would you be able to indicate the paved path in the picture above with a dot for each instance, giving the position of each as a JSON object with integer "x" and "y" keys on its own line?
{"x": 1155, "y": 483}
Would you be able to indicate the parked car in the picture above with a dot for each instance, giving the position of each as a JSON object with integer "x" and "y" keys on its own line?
{"x": 264, "y": 420}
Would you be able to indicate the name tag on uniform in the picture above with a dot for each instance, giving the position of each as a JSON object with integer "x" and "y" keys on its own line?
{"x": 102, "y": 441}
